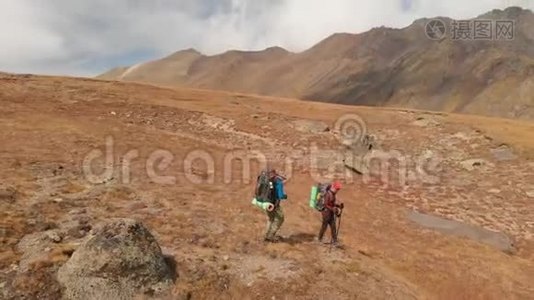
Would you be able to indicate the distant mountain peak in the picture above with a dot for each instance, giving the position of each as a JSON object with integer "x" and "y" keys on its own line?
{"x": 271, "y": 50}
{"x": 512, "y": 12}
{"x": 276, "y": 49}
{"x": 382, "y": 66}
{"x": 190, "y": 52}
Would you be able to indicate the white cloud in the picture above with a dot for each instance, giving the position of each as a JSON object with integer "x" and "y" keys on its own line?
{"x": 23, "y": 38}
{"x": 87, "y": 37}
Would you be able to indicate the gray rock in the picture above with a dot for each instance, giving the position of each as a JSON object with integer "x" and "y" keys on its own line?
{"x": 472, "y": 164}
{"x": 54, "y": 236}
{"x": 426, "y": 122}
{"x": 497, "y": 240}
{"x": 503, "y": 153}
{"x": 121, "y": 260}
{"x": 361, "y": 146}
{"x": 310, "y": 126}
{"x": 355, "y": 163}
{"x": 76, "y": 225}
{"x": 8, "y": 194}
{"x": 33, "y": 246}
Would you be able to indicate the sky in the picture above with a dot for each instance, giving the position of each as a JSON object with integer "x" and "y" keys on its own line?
{"x": 88, "y": 37}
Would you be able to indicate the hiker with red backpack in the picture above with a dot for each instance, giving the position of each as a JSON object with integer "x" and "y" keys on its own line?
{"x": 330, "y": 210}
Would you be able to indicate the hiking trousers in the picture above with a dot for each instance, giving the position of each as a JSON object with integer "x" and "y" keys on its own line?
{"x": 329, "y": 219}
{"x": 276, "y": 219}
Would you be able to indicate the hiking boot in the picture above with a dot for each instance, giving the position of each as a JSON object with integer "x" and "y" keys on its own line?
{"x": 272, "y": 240}
{"x": 336, "y": 244}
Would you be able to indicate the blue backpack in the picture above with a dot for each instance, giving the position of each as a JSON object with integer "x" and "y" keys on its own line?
{"x": 279, "y": 189}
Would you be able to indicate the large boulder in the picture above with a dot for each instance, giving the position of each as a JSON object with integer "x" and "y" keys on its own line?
{"x": 120, "y": 260}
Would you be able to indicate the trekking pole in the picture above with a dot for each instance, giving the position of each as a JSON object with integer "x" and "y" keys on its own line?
{"x": 339, "y": 225}
{"x": 337, "y": 229}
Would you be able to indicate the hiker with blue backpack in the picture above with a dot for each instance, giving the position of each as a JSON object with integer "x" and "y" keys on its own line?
{"x": 269, "y": 193}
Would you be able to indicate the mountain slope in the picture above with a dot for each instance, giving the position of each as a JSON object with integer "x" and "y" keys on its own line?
{"x": 146, "y": 135}
{"x": 381, "y": 67}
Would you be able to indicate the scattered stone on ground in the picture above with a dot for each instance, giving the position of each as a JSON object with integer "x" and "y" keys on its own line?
{"x": 53, "y": 236}
{"x": 426, "y": 122}
{"x": 503, "y": 153}
{"x": 310, "y": 126}
{"x": 473, "y": 164}
{"x": 33, "y": 246}
{"x": 8, "y": 194}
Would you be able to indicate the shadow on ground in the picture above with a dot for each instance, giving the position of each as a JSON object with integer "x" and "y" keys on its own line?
{"x": 299, "y": 238}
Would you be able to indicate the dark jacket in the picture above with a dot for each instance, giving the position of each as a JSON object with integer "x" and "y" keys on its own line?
{"x": 330, "y": 200}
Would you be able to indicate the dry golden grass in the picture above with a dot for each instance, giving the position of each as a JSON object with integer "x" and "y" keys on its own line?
{"x": 518, "y": 134}
{"x": 200, "y": 224}
{"x": 72, "y": 188}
